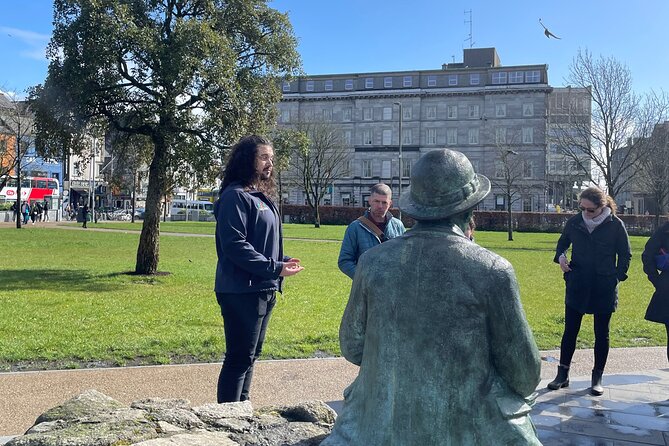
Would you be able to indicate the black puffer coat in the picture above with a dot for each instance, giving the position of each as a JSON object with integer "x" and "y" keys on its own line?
{"x": 658, "y": 309}
{"x": 599, "y": 260}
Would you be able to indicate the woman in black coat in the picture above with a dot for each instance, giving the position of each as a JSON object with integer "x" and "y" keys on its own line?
{"x": 658, "y": 309}
{"x": 600, "y": 258}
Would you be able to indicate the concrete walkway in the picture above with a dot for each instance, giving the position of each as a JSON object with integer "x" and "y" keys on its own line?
{"x": 633, "y": 411}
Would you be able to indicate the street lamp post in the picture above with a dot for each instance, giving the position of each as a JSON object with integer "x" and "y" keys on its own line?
{"x": 399, "y": 105}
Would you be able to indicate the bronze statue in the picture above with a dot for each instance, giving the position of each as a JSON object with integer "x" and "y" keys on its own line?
{"x": 436, "y": 325}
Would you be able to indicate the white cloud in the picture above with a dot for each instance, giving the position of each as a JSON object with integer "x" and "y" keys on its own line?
{"x": 34, "y": 43}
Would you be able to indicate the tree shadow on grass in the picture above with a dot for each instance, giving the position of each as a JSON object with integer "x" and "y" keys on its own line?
{"x": 54, "y": 279}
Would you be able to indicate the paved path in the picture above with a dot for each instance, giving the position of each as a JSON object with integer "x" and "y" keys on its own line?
{"x": 633, "y": 411}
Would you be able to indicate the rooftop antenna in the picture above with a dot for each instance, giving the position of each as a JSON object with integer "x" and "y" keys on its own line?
{"x": 469, "y": 38}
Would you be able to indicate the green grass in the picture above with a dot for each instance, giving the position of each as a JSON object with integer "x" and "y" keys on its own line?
{"x": 64, "y": 297}
{"x": 290, "y": 230}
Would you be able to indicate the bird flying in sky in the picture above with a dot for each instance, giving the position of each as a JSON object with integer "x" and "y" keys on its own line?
{"x": 547, "y": 32}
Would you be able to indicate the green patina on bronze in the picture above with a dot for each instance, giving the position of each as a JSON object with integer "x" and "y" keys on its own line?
{"x": 436, "y": 325}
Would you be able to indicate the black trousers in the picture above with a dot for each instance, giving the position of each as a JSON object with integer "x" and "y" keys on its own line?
{"x": 245, "y": 319}
{"x": 572, "y": 325}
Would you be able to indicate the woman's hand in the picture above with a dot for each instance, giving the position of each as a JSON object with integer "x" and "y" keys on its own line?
{"x": 564, "y": 264}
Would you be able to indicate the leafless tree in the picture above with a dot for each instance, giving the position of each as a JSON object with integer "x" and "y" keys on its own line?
{"x": 316, "y": 166}
{"x": 508, "y": 174}
{"x": 617, "y": 121}
{"x": 653, "y": 177}
{"x": 286, "y": 142}
{"x": 16, "y": 138}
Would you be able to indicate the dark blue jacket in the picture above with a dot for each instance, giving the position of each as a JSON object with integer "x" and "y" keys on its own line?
{"x": 249, "y": 242}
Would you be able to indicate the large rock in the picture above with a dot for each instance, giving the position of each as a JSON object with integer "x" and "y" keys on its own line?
{"x": 94, "y": 419}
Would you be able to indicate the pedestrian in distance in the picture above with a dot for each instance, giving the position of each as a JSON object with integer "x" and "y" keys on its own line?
{"x": 251, "y": 263}
{"x": 14, "y": 210}
{"x": 33, "y": 213}
{"x": 655, "y": 259}
{"x": 600, "y": 258}
{"x": 376, "y": 226}
{"x": 45, "y": 207}
{"x": 25, "y": 211}
{"x": 84, "y": 212}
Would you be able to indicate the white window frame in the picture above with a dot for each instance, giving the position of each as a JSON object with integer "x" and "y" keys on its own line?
{"x": 387, "y": 113}
{"x": 347, "y": 114}
{"x": 367, "y": 114}
{"x": 388, "y": 82}
{"x": 473, "y": 136}
{"x": 431, "y": 112}
{"x": 386, "y": 168}
{"x": 369, "y": 82}
{"x": 533, "y": 77}
{"x": 310, "y": 85}
{"x": 500, "y": 135}
{"x": 387, "y": 137}
{"x": 431, "y": 136}
{"x": 366, "y": 169}
{"x": 367, "y": 137}
{"x": 528, "y": 135}
{"x": 499, "y": 78}
{"x": 431, "y": 80}
{"x": 407, "y": 113}
{"x": 528, "y": 109}
{"x": 528, "y": 169}
{"x": 285, "y": 116}
{"x": 328, "y": 85}
{"x": 516, "y": 77}
{"x": 452, "y": 111}
{"x": 348, "y": 137}
{"x": 286, "y": 86}
{"x": 451, "y": 136}
{"x": 475, "y": 79}
{"x": 406, "y": 168}
{"x": 327, "y": 114}
{"x": 473, "y": 111}
{"x": 407, "y": 81}
{"x": 452, "y": 80}
{"x": 500, "y": 110}
{"x": 407, "y": 136}
{"x": 348, "y": 84}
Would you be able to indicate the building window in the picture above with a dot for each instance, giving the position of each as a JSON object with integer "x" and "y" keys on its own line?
{"x": 369, "y": 82}
{"x": 432, "y": 80}
{"x": 453, "y": 80}
{"x": 528, "y": 167}
{"x": 407, "y": 136}
{"x": 327, "y": 114}
{"x": 406, "y": 168}
{"x": 385, "y": 168}
{"x": 500, "y": 110}
{"x": 528, "y": 109}
{"x": 533, "y": 76}
{"x": 367, "y": 168}
{"x": 285, "y": 116}
{"x": 286, "y": 87}
{"x": 500, "y": 171}
{"x": 328, "y": 85}
{"x": 388, "y": 82}
{"x": 367, "y": 113}
{"x": 310, "y": 85}
{"x": 451, "y": 136}
{"x": 452, "y": 112}
{"x": 387, "y": 137}
{"x": 473, "y": 135}
{"x": 528, "y": 135}
{"x": 431, "y": 136}
{"x": 499, "y": 77}
{"x": 527, "y": 204}
{"x": 407, "y": 81}
{"x": 500, "y": 135}
{"x": 516, "y": 77}
{"x": 348, "y": 137}
{"x": 407, "y": 113}
{"x": 387, "y": 113}
{"x": 473, "y": 111}
{"x": 474, "y": 79}
{"x": 431, "y": 112}
{"x": 367, "y": 137}
{"x": 347, "y": 113}
{"x": 348, "y": 84}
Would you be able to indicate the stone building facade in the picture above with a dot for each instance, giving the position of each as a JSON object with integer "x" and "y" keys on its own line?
{"x": 477, "y": 106}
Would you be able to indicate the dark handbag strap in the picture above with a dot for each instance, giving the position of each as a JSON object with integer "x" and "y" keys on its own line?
{"x": 372, "y": 227}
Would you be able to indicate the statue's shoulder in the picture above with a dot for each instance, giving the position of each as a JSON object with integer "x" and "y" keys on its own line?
{"x": 488, "y": 259}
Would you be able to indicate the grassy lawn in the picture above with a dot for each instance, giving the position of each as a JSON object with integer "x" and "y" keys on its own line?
{"x": 65, "y": 300}
{"x": 290, "y": 230}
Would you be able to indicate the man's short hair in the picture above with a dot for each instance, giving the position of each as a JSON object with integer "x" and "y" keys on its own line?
{"x": 381, "y": 189}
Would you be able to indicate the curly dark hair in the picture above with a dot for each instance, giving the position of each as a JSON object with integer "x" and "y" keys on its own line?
{"x": 241, "y": 165}
{"x": 599, "y": 198}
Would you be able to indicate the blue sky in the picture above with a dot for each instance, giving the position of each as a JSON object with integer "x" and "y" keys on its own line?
{"x": 346, "y": 36}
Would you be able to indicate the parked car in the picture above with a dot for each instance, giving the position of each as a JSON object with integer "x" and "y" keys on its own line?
{"x": 139, "y": 213}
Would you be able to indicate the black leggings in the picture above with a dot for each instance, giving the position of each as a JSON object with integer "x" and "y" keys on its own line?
{"x": 667, "y": 327}
{"x": 572, "y": 325}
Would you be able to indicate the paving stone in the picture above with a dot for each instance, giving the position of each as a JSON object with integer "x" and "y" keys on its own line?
{"x": 612, "y": 432}
{"x": 556, "y": 438}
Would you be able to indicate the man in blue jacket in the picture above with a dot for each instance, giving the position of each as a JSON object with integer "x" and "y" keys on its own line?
{"x": 375, "y": 227}
{"x": 251, "y": 264}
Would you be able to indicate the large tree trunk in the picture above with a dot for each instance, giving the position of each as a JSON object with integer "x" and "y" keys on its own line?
{"x": 317, "y": 217}
{"x": 149, "y": 241}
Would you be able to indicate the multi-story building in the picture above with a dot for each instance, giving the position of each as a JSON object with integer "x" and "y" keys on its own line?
{"x": 478, "y": 107}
